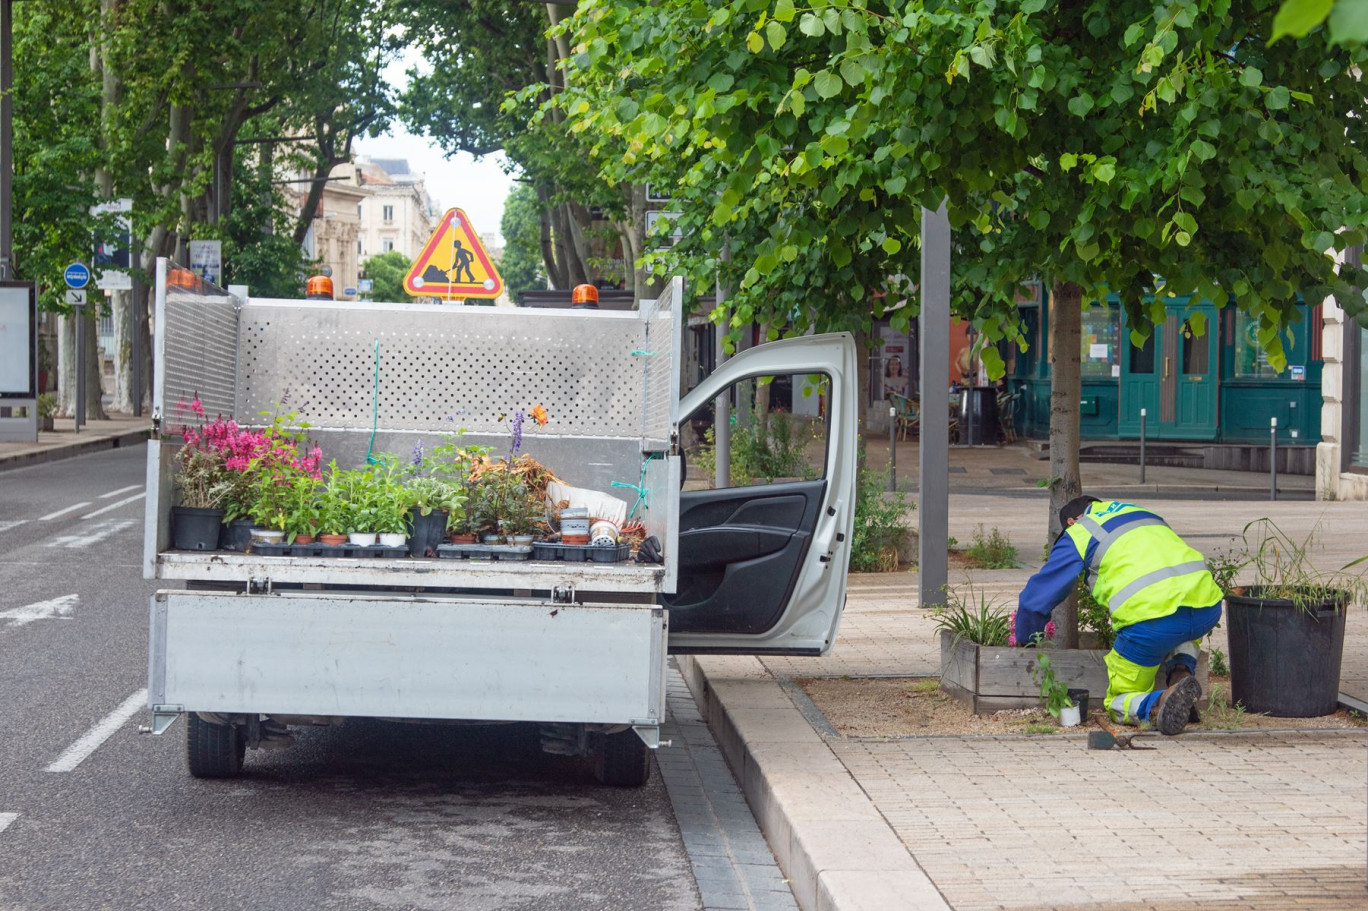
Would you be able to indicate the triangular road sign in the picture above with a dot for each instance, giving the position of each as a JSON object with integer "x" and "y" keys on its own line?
{"x": 453, "y": 263}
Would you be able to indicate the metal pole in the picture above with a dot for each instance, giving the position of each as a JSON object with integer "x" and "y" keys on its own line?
{"x": 1142, "y": 445}
{"x": 892, "y": 449}
{"x": 1273, "y": 458}
{"x": 138, "y": 308}
{"x": 78, "y": 317}
{"x": 933, "y": 506}
{"x": 722, "y": 404}
{"x": 6, "y": 137}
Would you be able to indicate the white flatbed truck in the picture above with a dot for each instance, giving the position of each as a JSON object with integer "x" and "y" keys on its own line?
{"x": 247, "y": 646}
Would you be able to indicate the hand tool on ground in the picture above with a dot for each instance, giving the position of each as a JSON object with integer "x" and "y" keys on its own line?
{"x": 1109, "y": 737}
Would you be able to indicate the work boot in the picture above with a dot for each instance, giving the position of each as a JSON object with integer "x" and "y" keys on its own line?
{"x": 1170, "y": 714}
{"x": 1180, "y": 672}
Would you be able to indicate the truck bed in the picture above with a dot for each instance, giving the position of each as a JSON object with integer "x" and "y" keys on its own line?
{"x": 408, "y": 572}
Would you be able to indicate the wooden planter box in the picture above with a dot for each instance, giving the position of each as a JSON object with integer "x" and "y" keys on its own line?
{"x": 990, "y": 678}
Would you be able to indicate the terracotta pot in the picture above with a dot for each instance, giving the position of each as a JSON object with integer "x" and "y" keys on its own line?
{"x": 332, "y": 540}
{"x": 462, "y": 539}
{"x": 304, "y": 539}
{"x": 574, "y": 539}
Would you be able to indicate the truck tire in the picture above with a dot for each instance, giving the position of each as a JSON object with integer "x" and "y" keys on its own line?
{"x": 213, "y": 750}
{"x": 622, "y": 760}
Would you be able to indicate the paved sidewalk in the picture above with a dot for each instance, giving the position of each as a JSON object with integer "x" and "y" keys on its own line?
{"x": 64, "y": 442}
{"x": 1210, "y": 821}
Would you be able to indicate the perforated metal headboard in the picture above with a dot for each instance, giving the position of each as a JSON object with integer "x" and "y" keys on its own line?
{"x": 195, "y": 345}
{"x": 425, "y": 368}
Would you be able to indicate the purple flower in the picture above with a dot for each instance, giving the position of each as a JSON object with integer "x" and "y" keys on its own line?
{"x": 418, "y": 453}
{"x": 517, "y": 433}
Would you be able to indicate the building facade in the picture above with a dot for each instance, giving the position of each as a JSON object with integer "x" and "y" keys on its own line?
{"x": 397, "y": 213}
{"x": 1342, "y": 454}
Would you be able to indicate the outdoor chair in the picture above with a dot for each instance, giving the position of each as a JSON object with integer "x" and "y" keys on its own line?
{"x": 907, "y": 414}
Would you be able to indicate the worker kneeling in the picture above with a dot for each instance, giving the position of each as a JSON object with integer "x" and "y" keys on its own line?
{"x": 1161, "y": 596}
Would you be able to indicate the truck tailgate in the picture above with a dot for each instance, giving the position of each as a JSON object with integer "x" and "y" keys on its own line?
{"x": 415, "y": 656}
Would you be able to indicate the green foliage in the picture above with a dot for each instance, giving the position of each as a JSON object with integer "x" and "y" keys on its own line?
{"x": 1225, "y": 566}
{"x": 1094, "y": 616}
{"x": 1346, "y": 20}
{"x": 1100, "y": 145}
{"x": 1219, "y": 666}
{"x": 992, "y": 550}
{"x": 881, "y": 524}
{"x": 1221, "y": 713}
{"x": 975, "y": 617}
{"x": 521, "y": 266}
{"x": 1054, "y": 695}
{"x": 1284, "y": 568}
{"x": 387, "y": 271}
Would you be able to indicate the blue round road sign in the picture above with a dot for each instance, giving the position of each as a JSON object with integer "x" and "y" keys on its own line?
{"x": 77, "y": 276}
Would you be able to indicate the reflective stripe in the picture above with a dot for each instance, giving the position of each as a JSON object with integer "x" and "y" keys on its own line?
{"x": 1149, "y": 578}
{"x": 1187, "y": 648}
{"x": 1105, "y": 539}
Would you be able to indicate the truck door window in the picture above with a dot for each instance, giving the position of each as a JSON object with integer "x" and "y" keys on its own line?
{"x": 778, "y": 433}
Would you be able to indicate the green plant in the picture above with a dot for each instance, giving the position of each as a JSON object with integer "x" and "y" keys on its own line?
{"x": 1219, "y": 666}
{"x": 927, "y": 685}
{"x": 333, "y": 517}
{"x": 1283, "y": 569}
{"x": 1094, "y": 616}
{"x": 427, "y": 494}
{"x": 976, "y": 618}
{"x": 768, "y": 446}
{"x": 47, "y": 405}
{"x": 1222, "y": 714}
{"x": 881, "y": 525}
{"x": 1054, "y": 695}
{"x": 1225, "y": 565}
{"x": 301, "y": 505}
{"x": 1036, "y": 727}
{"x": 992, "y": 550}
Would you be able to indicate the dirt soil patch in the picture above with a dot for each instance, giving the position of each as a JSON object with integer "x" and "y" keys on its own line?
{"x": 909, "y": 706}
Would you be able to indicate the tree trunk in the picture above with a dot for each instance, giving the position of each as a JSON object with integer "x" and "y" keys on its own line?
{"x": 1066, "y": 315}
{"x": 555, "y": 269}
{"x": 66, "y": 366}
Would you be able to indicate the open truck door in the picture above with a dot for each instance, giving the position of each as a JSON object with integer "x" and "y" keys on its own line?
{"x": 762, "y": 566}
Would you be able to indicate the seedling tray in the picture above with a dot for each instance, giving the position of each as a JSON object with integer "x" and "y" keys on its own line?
{"x": 327, "y": 550}
{"x": 485, "y": 551}
{"x": 582, "y": 553}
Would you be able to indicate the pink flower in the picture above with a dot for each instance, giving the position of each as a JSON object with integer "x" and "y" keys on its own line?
{"x": 197, "y": 406}
{"x": 1050, "y": 630}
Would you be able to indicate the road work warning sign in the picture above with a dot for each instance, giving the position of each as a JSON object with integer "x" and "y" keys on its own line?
{"x": 453, "y": 264}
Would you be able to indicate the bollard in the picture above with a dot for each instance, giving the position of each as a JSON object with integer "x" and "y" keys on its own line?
{"x": 78, "y": 317}
{"x": 1142, "y": 445}
{"x": 1273, "y": 459}
{"x": 892, "y": 448}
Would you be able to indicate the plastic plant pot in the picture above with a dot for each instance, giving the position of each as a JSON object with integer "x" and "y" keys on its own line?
{"x": 392, "y": 539}
{"x": 1069, "y": 716}
{"x": 362, "y": 538}
{"x": 194, "y": 528}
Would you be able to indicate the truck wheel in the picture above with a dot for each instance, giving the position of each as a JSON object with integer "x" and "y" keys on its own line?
{"x": 213, "y": 750}
{"x": 622, "y": 760}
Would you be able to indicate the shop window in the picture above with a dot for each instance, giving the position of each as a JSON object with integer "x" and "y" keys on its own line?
{"x": 1101, "y": 335}
{"x": 1142, "y": 358}
{"x": 1250, "y": 359}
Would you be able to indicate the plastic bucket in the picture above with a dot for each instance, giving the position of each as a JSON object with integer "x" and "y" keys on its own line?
{"x": 1284, "y": 658}
{"x": 194, "y": 528}
{"x": 575, "y": 521}
{"x": 428, "y": 532}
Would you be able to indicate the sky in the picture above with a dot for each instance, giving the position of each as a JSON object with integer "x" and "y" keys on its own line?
{"x": 477, "y": 186}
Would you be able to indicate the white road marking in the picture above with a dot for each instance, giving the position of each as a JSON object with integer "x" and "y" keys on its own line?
{"x": 6, "y": 819}
{"x": 92, "y": 739}
{"x": 55, "y": 609}
{"x": 113, "y": 506}
{"x": 11, "y": 523}
{"x": 93, "y": 534}
{"x": 62, "y": 512}
{"x": 115, "y": 493}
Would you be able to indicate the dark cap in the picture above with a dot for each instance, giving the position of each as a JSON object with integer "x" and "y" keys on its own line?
{"x": 1075, "y": 508}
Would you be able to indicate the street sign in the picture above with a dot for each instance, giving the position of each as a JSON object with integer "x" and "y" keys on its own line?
{"x": 76, "y": 297}
{"x": 349, "y": 292}
{"x": 454, "y": 263}
{"x": 112, "y": 253}
{"x": 77, "y": 275}
{"x": 366, "y": 285}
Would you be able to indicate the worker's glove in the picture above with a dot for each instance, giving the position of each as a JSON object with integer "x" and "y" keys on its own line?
{"x": 649, "y": 552}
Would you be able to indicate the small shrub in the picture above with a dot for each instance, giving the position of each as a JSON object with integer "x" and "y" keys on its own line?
{"x": 1036, "y": 727}
{"x": 1222, "y": 714}
{"x": 1094, "y": 617}
{"x": 977, "y": 618}
{"x": 1219, "y": 666}
{"x": 880, "y": 524}
{"x": 928, "y": 685}
{"x": 769, "y": 447}
{"x": 992, "y": 550}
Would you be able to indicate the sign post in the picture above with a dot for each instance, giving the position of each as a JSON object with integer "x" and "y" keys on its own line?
{"x": 77, "y": 277}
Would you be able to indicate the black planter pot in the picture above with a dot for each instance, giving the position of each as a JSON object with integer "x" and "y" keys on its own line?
{"x": 428, "y": 532}
{"x": 1285, "y": 657}
{"x": 1080, "y": 699}
{"x": 236, "y": 535}
{"x": 195, "y": 528}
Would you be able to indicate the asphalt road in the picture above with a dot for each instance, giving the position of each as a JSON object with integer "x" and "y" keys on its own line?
{"x": 366, "y": 815}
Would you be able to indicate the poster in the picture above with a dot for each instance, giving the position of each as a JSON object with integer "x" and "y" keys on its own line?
{"x": 894, "y": 362}
{"x": 112, "y": 248}
{"x": 206, "y": 260}
{"x": 16, "y": 342}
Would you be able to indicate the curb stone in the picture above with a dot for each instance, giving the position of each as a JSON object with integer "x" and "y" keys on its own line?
{"x": 837, "y": 850}
{"x": 74, "y": 448}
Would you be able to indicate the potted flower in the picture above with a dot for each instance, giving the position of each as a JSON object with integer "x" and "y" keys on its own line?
{"x": 332, "y": 510}
{"x": 1065, "y": 704}
{"x": 431, "y": 503}
{"x": 201, "y": 488}
{"x": 391, "y": 505}
{"x": 1286, "y": 628}
{"x": 47, "y": 411}
{"x": 302, "y": 510}
{"x": 520, "y": 515}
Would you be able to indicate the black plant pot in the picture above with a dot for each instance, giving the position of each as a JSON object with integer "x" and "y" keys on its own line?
{"x": 236, "y": 535}
{"x": 195, "y": 528}
{"x": 427, "y": 532}
{"x": 1285, "y": 657}
{"x": 1080, "y": 699}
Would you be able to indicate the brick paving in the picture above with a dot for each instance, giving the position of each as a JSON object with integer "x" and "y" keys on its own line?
{"x": 1212, "y": 821}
